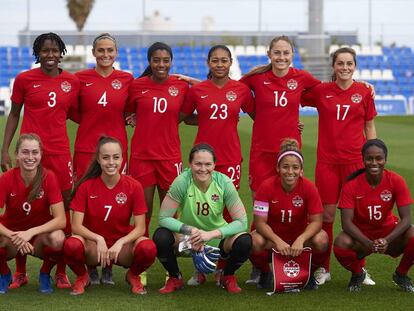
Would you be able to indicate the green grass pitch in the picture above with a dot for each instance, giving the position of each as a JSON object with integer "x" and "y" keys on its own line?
{"x": 397, "y": 132}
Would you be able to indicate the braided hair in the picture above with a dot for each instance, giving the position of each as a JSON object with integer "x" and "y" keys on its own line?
{"x": 38, "y": 43}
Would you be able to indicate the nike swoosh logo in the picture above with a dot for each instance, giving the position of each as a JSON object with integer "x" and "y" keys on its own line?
{"x": 274, "y": 202}
{"x": 93, "y": 196}
{"x": 36, "y": 85}
{"x": 267, "y": 82}
{"x": 143, "y": 92}
{"x": 13, "y": 194}
{"x": 190, "y": 195}
{"x": 89, "y": 84}
{"x": 329, "y": 96}
{"x": 204, "y": 96}
{"x": 359, "y": 197}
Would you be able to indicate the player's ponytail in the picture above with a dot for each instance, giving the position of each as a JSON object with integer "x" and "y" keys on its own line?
{"x": 36, "y": 184}
{"x": 264, "y": 68}
{"x": 94, "y": 170}
{"x": 155, "y": 47}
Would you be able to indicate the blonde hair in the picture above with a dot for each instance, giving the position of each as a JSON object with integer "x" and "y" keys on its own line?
{"x": 267, "y": 67}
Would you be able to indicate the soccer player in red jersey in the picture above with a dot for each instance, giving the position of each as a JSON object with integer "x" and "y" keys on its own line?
{"x": 277, "y": 89}
{"x": 218, "y": 101}
{"x": 34, "y": 215}
{"x": 102, "y": 99}
{"x": 287, "y": 215}
{"x": 48, "y": 94}
{"x": 103, "y": 203}
{"x": 156, "y": 99}
{"x": 368, "y": 223}
{"x": 346, "y": 119}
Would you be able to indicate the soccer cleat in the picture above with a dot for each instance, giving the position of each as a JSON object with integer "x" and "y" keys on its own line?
{"x": 229, "y": 282}
{"x": 198, "y": 278}
{"x": 135, "y": 282}
{"x": 80, "y": 284}
{"x": 94, "y": 276}
{"x": 254, "y": 276}
{"x": 322, "y": 276}
{"x": 265, "y": 280}
{"x": 368, "y": 280}
{"x": 5, "y": 280}
{"x": 62, "y": 280}
{"x": 312, "y": 284}
{"x": 172, "y": 285}
{"x": 404, "y": 282}
{"x": 106, "y": 277}
{"x": 19, "y": 279}
{"x": 45, "y": 283}
{"x": 355, "y": 283}
{"x": 143, "y": 276}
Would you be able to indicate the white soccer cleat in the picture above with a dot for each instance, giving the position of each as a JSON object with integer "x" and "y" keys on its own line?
{"x": 368, "y": 280}
{"x": 322, "y": 276}
{"x": 254, "y": 276}
{"x": 198, "y": 278}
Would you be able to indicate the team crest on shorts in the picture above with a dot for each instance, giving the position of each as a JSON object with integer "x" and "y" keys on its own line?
{"x": 121, "y": 198}
{"x": 40, "y": 194}
{"x": 173, "y": 91}
{"x": 231, "y": 96}
{"x": 292, "y": 84}
{"x": 356, "y": 98}
{"x": 215, "y": 197}
{"x": 386, "y": 195}
{"x": 297, "y": 201}
{"x": 65, "y": 86}
{"x": 116, "y": 84}
{"x": 291, "y": 269}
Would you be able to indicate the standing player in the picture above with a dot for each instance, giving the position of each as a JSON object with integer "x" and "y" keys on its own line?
{"x": 346, "y": 119}
{"x": 368, "y": 223}
{"x": 218, "y": 101}
{"x": 156, "y": 99}
{"x": 102, "y": 99}
{"x": 199, "y": 196}
{"x": 277, "y": 89}
{"x": 287, "y": 215}
{"x": 34, "y": 214}
{"x": 103, "y": 203}
{"x": 47, "y": 94}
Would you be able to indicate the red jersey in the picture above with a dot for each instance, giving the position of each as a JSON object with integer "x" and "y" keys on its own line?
{"x": 287, "y": 213}
{"x": 157, "y": 107}
{"x": 19, "y": 214}
{"x": 108, "y": 212}
{"x": 373, "y": 206}
{"x": 277, "y": 106}
{"x": 47, "y": 101}
{"x": 102, "y": 102}
{"x": 342, "y": 117}
{"x": 218, "y": 112}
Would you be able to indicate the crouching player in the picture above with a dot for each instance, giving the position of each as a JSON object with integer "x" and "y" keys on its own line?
{"x": 287, "y": 215}
{"x": 34, "y": 215}
{"x": 103, "y": 203}
{"x": 368, "y": 223}
{"x": 199, "y": 196}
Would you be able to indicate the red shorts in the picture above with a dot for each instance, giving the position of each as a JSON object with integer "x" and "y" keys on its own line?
{"x": 233, "y": 171}
{"x": 155, "y": 172}
{"x": 81, "y": 161}
{"x": 262, "y": 165}
{"x": 380, "y": 232}
{"x": 329, "y": 179}
{"x": 61, "y": 165}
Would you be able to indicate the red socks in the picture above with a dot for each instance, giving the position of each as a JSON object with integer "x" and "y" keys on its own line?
{"x": 326, "y": 263}
{"x": 4, "y": 268}
{"x": 74, "y": 254}
{"x": 261, "y": 260}
{"x": 50, "y": 257}
{"x": 348, "y": 259}
{"x": 407, "y": 258}
{"x": 144, "y": 256}
{"x": 21, "y": 263}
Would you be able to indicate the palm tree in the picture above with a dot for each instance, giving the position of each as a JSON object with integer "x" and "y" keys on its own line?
{"x": 79, "y": 11}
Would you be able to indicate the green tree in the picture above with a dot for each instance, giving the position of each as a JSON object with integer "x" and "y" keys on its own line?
{"x": 79, "y": 11}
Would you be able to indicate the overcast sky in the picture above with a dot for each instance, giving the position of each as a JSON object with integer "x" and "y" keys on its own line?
{"x": 392, "y": 20}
